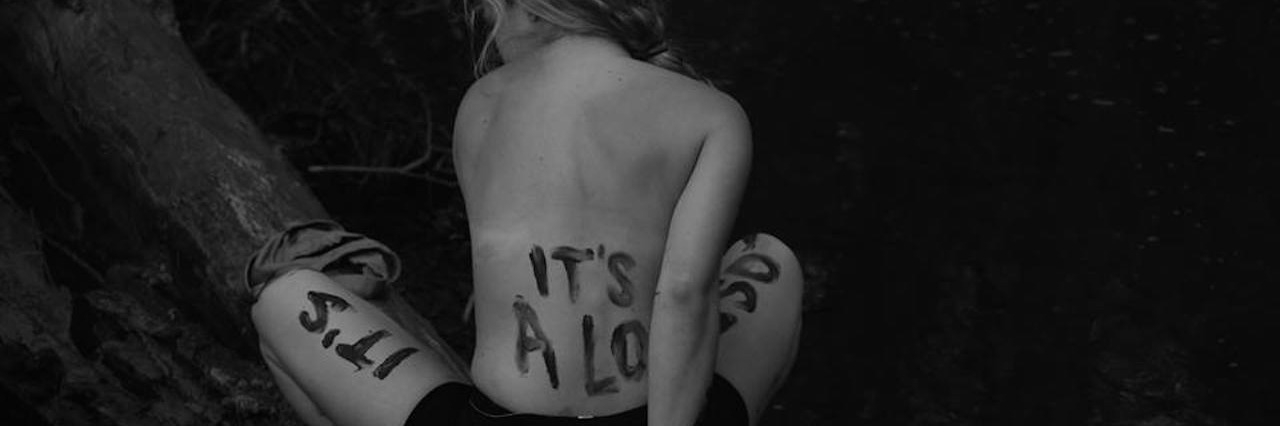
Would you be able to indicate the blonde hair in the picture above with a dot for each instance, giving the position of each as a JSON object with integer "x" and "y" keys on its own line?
{"x": 638, "y": 26}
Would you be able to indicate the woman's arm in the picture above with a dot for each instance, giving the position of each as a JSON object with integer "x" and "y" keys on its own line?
{"x": 685, "y": 324}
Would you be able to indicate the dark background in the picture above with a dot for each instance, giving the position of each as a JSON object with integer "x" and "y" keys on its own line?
{"x": 1024, "y": 213}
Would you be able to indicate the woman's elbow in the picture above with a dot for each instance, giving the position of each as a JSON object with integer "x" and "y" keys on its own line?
{"x": 685, "y": 296}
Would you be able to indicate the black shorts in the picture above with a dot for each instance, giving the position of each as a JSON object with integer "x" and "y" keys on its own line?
{"x": 459, "y": 404}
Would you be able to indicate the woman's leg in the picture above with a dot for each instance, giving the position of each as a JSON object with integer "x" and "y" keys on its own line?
{"x": 338, "y": 359}
{"x": 760, "y": 290}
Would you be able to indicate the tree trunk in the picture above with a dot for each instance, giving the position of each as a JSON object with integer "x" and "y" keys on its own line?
{"x": 115, "y": 79}
{"x": 167, "y": 161}
{"x": 104, "y": 358}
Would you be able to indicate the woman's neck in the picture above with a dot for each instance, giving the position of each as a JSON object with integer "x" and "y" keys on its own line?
{"x": 584, "y": 46}
{"x": 571, "y": 47}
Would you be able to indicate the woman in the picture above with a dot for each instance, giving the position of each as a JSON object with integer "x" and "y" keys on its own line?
{"x": 601, "y": 183}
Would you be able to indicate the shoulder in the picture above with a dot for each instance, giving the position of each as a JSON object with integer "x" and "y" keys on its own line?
{"x": 728, "y": 130}
{"x": 704, "y": 109}
{"x": 481, "y": 93}
{"x": 719, "y": 118}
{"x": 473, "y": 118}
{"x": 725, "y": 114}
{"x": 477, "y": 105}
{"x": 707, "y": 125}
{"x": 721, "y": 129}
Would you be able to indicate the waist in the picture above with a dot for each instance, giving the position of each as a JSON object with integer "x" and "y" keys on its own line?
{"x": 556, "y": 358}
{"x": 632, "y": 412}
{"x": 562, "y": 323}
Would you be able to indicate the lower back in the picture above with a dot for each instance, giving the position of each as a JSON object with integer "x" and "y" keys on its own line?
{"x": 562, "y": 318}
{"x": 569, "y": 191}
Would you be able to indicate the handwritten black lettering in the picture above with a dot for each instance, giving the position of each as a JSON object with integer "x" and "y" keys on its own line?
{"x": 391, "y": 362}
{"x": 526, "y": 322}
{"x": 727, "y": 321}
{"x": 754, "y": 266}
{"x": 748, "y": 293}
{"x": 354, "y": 353}
{"x": 619, "y": 264}
{"x": 571, "y": 257}
{"x": 322, "y": 302}
{"x": 327, "y": 341}
{"x": 619, "y": 346}
{"x": 594, "y": 387}
{"x": 538, "y": 259}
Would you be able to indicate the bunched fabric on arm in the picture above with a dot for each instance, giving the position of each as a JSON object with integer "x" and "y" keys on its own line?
{"x": 362, "y": 264}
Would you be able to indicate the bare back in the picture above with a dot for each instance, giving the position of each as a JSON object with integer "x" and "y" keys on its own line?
{"x": 571, "y": 164}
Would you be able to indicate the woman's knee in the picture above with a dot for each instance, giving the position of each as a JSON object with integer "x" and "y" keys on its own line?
{"x": 302, "y": 299}
{"x": 275, "y": 297}
{"x": 764, "y": 259}
{"x": 760, "y": 277}
{"x": 331, "y": 344}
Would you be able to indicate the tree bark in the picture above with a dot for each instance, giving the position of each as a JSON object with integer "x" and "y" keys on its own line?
{"x": 102, "y": 357}
{"x": 115, "y": 78}
{"x": 115, "y": 81}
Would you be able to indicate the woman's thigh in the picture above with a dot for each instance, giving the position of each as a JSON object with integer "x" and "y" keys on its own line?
{"x": 338, "y": 357}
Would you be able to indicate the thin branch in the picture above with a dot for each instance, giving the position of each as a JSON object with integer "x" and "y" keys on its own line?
{"x": 415, "y": 163}
{"x": 76, "y": 211}
{"x": 406, "y": 170}
{"x": 398, "y": 171}
{"x": 429, "y": 139}
{"x": 422, "y": 7}
{"x": 306, "y": 7}
{"x": 93, "y": 272}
